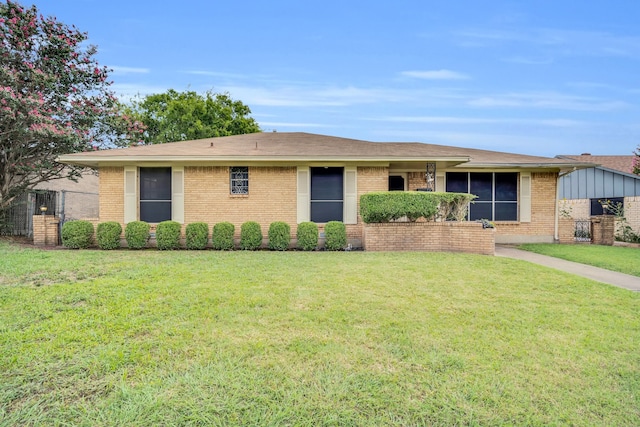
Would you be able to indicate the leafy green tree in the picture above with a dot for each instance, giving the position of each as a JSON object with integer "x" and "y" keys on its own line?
{"x": 179, "y": 116}
{"x": 54, "y": 99}
{"x": 636, "y": 161}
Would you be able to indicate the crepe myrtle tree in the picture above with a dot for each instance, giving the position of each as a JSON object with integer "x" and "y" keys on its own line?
{"x": 636, "y": 161}
{"x": 54, "y": 99}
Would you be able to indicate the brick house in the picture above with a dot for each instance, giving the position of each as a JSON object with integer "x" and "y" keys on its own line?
{"x": 296, "y": 177}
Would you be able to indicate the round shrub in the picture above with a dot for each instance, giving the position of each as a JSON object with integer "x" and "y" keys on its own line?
{"x": 250, "y": 236}
{"x": 307, "y": 235}
{"x": 168, "y": 235}
{"x": 279, "y": 236}
{"x": 137, "y": 234}
{"x": 335, "y": 236}
{"x": 77, "y": 234}
{"x": 197, "y": 235}
{"x": 108, "y": 235}
{"x": 222, "y": 236}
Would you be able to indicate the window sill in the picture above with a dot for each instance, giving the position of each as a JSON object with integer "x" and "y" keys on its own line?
{"x": 238, "y": 196}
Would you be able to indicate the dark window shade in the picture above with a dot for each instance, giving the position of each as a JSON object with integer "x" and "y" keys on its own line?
{"x": 457, "y": 182}
{"x": 155, "y": 194}
{"x": 155, "y": 183}
{"x": 497, "y": 193}
{"x": 481, "y": 186}
{"x": 507, "y": 187}
{"x": 597, "y": 208}
{"x": 327, "y": 187}
{"x": 396, "y": 183}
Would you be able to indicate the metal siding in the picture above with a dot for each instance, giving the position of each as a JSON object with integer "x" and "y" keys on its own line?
{"x": 595, "y": 183}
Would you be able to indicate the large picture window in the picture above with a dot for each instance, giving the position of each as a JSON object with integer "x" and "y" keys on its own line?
{"x": 497, "y": 193}
{"x": 327, "y": 194}
{"x": 155, "y": 194}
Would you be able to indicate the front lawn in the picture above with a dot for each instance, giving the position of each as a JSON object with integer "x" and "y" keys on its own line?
{"x": 615, "y": 258}
{"x": 293, "y": 338}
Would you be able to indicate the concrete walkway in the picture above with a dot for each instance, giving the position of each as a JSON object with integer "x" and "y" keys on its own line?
{"x": 620, "y": 280}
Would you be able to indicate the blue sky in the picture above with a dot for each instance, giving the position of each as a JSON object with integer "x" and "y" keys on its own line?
{"x": 532, "y": 77}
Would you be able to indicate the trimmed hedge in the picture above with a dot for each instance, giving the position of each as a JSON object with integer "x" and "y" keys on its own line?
{"x": 393, "y": 205}
{"x": 196, "y": 235}
{"x": 222, "y": 236}
{"x": 77, "y": 234}
{"x": 279, "y": 236}
{"x": 335, "y": 236}
{"x": 307, "y": 236}
{"x": 250, "y": 236}
{"x": 453, "y": 206}
{"x": 168, "y": 235}
{"x": 108, "y": 235}
{"x": 137, "y": 234}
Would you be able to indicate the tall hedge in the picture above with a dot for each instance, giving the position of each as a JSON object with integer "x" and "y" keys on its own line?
{"x": 222, "y": 236}
{"x": 279, "y": 236}
{"x": 307, "y": 236}
{"x": 77, "y": 234}
{"x": 137, "y": 234}
{"x": 108, "y": 235}
{"x": 392, "y": 205}
{"x": 335, "y": 236}
{"x": 168, "y": 235}
{"x": 250, "y": 236}
{"x": 196, "y": 235}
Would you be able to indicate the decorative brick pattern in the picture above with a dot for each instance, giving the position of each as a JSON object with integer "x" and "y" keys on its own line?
{"x": 430, "y": 236}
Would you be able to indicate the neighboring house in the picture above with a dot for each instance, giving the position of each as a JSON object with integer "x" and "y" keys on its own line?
{"x": 610, "y": 180}
{"x": 62, "y": 197}
{"x": 296, "y": 177}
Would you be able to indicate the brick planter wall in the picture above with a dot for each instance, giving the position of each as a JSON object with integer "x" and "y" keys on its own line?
{"x": 603, "y": 228}
{"x": 430, "y": 236}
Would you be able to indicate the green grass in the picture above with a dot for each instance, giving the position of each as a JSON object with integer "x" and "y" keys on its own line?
{"x": 321, "y": 338}
{"x": 615, "y": 258}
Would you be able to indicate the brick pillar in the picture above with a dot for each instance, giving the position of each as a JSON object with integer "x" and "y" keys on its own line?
{"x": 45, "y": 230}
{"x": 603, "y": 229}
{"x": 566, "y": 230}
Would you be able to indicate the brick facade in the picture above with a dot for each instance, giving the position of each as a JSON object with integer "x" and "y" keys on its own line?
{"x": 273, "y": 197}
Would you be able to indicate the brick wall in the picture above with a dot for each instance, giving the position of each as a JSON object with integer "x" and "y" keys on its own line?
{"x": 430, "y": 236}
{"x": 111, "y": 191}
{"x": 566, "y": 230}
{"x": 603, "y": 227}
{"x": 45, "y": 230}
{"x": 543, "y": 208}
{"x": 272, "y": 197}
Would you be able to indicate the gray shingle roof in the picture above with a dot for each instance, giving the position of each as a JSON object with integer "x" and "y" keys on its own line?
{"x": 298, "y": 146}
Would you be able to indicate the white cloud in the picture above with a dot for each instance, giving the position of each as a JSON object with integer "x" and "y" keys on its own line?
{"x": 547, "y": 100}
{"x": 129, "y": 70}
{"x": 481, "y": 121}
{"x": 435, "y": 75}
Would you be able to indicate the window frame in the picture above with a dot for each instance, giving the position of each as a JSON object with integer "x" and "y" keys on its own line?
{"x": 320, "y": 202}
{"x": 491, "y": 201}
{"x": 239, "y": 186}
{"x": 146, "y": 201}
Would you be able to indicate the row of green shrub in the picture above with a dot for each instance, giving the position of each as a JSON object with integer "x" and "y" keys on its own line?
{"x": 413, "y": 205}
{"x": 79, "y": 235}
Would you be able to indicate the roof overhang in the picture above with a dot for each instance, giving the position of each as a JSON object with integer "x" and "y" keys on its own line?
{"x": 119, "y": 160}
